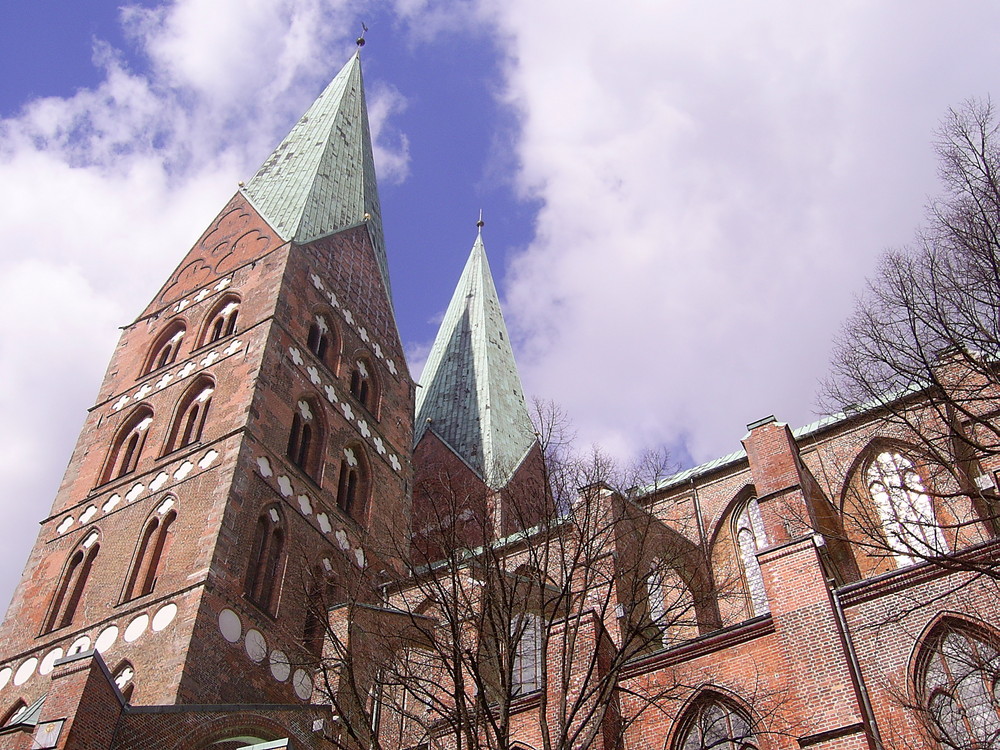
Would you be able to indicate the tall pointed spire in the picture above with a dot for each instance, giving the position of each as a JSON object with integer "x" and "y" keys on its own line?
{"x": 471, "y": 395}
{"x": 321, "y": 177}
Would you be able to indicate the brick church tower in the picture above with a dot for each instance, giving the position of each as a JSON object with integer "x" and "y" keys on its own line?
{"x": 477, "y": 461}
{"x": 250, "y": 444}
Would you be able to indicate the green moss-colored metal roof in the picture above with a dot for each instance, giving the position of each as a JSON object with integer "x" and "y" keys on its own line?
{"x": 470, "y": 393}
{"x": 321, "y": 177}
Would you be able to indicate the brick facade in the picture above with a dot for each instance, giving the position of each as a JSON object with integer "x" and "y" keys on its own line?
{"x": 249, "y": 462}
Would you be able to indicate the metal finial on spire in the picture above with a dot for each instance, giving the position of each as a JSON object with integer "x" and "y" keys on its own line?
{"x": 361, "y": 39}
{"x": 480, "y": 223}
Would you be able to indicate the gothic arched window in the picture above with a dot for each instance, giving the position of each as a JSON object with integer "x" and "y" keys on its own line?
{"x": 71, "y": 585}
{"x": 152, "y": 549}
{"x": 907, "y": 515}
{"x": 714, "y": 723}
{"x": 322, "y": 340}
{"x": 958, "y": 680}
{"x": 306, "y": 439}
{"x": 750, "y": 537}
{"x": 191, "y": 414}
{"x": 656, "y": 596}
{"x": 266, "y": 560}
{"x": 364, "y": 385}
{"x": 526, "y": 665}
{"x": 221, "y": 322}
{"x": 126, "y": 448}
{"x": 165, "y": 349}
{"x": 353, "y": 485}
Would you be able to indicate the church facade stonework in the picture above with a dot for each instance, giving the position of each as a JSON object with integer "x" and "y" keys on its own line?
{"x": 258, "y": 486}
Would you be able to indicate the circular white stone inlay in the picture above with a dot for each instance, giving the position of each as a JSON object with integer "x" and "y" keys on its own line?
{"x": 79, "y": 645}
{"x": 136, "y": 628}
{"x": 164, "y": 616}
{"x": 5, "y": 674}
{"x": 106, "y": 639}
{"x": 230, "y": 625}
{"x": 28, "y": 668}
{"x": 255, "y": 645}
{"x": 279, "y": 665}
{"x": 50, "y": 660}
{"x": 303, "y": 684}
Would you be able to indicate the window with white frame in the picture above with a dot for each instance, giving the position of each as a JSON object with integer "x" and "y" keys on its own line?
{"x": 904, "y": 508}
{"x": 526, "y": 668}
{"x": 750, "y": 538}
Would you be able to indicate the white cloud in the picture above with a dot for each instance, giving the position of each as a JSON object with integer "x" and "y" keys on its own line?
{"x": 716, "y": 181}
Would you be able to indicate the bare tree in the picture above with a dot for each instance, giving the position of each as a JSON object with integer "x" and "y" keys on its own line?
{"x": 922, "y": 350}
{"x": 525, "y": 635}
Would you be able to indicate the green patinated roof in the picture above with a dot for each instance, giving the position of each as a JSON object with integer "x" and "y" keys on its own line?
{"x": 470, "y": 394}
{"x": 321, "y": 177}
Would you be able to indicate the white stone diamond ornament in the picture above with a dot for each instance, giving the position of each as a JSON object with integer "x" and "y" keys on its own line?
{"x": 295, "y": 354}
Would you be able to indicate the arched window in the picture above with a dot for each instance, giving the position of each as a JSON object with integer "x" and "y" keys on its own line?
{"x": 750, "y": 537}
{"x": 221, "y": 322}
{"x": 165, "y": 349}
{"x": 123, "y": 676}
{"x": 655, "y": 599}
{"x": 904, "y": 508}
{"x": 151, "y": 551}
{"x": 526, "y": 665}
{"x": 353, "y": 485}
{"x": 322, "y": 340}
{"x": 306, "y": 439}
{"x": 69, "y": 591}
{"x": 958, "y": 681}
{"x": 364, "y": 386}
{"x": 266, "y": 560}
{"x": 191, "y": 414}
{"x": 714, "y": 723}
{"x": 127, "y": 446}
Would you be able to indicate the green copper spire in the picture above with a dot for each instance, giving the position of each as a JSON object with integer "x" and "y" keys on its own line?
{"x": 321, "y": 177}
{"x": 470, "y": 394}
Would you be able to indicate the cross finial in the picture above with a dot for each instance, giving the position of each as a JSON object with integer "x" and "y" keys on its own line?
{"x": 360, "y": 41}
{"x": 480, "y": 223}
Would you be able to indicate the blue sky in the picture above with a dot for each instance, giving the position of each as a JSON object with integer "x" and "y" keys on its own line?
{"x": 681, "y": 198}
